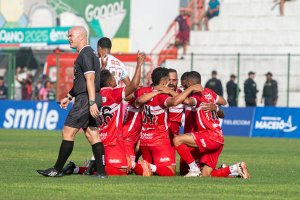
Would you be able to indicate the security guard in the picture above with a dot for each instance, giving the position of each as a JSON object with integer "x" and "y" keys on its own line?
{"x": 270, "y": 91}
{"x": 250, "y": 90}
{"x": 231, "y": 88}
{"x": 215, "y": 84}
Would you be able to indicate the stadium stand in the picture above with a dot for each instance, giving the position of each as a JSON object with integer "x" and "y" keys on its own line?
{"x": 263, "y": 38}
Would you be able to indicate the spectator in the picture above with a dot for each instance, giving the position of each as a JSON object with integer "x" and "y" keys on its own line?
{"x": 37, "y": 89}
{"x": 183, "y": 35}
{"x": 47, "y": 92}
{"x": 24, "y": 80}
{"x": 213, "y": 10}
{"x": 19, "y": 77}
{"x": 3, "y": 89}
{"x": 215, "y": 84}
{"x": 270, "y": 91}
{"x": 281, "y": 6}
{"x": 232, "y": 92}
{"x": 250, "y": 90}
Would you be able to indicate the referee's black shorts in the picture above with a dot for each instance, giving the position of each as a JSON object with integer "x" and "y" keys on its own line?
{"x": 79, "y": 115}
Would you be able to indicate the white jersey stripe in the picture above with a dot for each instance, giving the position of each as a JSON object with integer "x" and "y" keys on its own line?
{"x": 133, "y": 121}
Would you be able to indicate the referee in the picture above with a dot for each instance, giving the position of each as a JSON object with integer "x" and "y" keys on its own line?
{"x": 83, "y": 114}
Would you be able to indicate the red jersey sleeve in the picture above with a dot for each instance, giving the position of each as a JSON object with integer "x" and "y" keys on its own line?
{"x": 162, "y": 98}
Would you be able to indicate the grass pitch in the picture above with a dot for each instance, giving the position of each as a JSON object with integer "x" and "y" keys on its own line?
{"x": 274, "y": 166}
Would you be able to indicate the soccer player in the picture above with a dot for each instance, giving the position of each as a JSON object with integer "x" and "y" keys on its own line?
{"x": 111, "y": 63}
{"x": 111, "y": 129}
{"x": 157, "y": 152}
{"x": 190, "y": 126}
{"x": 209, "y": 140}
{"x": 175, "y": 112}
{"x": 85, "y": 110}
{"x": 132, "y": 125}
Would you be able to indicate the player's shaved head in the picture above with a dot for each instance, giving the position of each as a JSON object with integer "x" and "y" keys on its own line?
{"x": 194, "y": 77}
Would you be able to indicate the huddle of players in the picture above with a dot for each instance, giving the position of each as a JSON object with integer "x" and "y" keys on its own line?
{"x": 151, "y": 123}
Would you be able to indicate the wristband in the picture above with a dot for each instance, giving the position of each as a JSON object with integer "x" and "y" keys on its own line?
{"x": 69, "y": 97}
{"x": 91, "y": 102}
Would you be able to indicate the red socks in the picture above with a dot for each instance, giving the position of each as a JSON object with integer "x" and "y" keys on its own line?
{"x": 164, "y": 171}
{"x": 81, "y": 170}
{"x": 112, "y": 171}
{"x": 185, "y": 154}
{"x": 138, "y": 170}
{"x": 223, "y": 172}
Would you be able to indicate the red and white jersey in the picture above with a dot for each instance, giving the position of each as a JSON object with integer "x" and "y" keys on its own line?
{"x": 208, "y": 120}
{"x": 110, "y": 120}
{"x": 189, "y": 120}
{"x": 175, "y": 116}
{"x": 132, "y": 124}
{"x": 155, "y": 122}
{"x": 116, "y": 68}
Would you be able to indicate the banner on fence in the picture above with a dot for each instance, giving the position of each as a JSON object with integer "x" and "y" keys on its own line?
{"x": 237, "y": 121}
{"x": 42, "y": 115}
{"x": 276, "y": 122}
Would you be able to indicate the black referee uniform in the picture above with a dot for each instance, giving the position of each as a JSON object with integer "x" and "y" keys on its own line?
{"x": 79, "y": 115}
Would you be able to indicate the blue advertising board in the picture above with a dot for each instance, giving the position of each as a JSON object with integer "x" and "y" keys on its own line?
{"x": 44, "y": 115}
{"x": 237, "y": 121}
{"x": 276, "y": 122}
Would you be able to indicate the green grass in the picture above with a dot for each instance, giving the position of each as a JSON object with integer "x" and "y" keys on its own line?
{"x": 274, "y": 165}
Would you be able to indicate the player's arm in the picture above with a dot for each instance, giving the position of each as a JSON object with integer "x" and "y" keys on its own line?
{"x": 208, "y": 107}
{"x": 221, "y": 101}
{"x": 126, "y": 81}
{"x": 90, "y": 84}
{"x": 168, "y": 91}
{"x": 145, "y": 98}
{"x": 174, "y": 101}
{"x": 134, "y": 84}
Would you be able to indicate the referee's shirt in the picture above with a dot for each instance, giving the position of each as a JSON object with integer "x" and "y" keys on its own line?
{"x": 86, "y": 62}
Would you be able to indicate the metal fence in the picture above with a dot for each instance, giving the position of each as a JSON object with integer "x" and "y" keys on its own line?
{"x": 285, "y": 69}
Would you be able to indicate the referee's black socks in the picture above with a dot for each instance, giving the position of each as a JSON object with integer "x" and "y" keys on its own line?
{"x": 98, "y": 151}
{"x": 65, "y": 151}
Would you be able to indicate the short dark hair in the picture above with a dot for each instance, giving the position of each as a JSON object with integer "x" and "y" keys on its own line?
{"x": 105, "y": 75}
{"x": 184, "y": 76}
{"x": 104, "y": 42}
{"x": 1, "y": 78}
{"x": 172, "y": 70}
{"x": 159, "y": 73}
{"x": 194, "y": 77}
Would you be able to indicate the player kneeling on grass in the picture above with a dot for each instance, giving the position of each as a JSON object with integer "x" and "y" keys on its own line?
{"x": 209, "y": 140}
{"x": 110, "y": 121}
{"x": 157, "y": 152}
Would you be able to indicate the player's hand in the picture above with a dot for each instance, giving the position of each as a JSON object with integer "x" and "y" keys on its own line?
{"x": 104, "y": 59}
{"x": 197, "y": 88}
{"x": 141, "y": 57}
{"x": 208, "y": 106}
{"x": 94, "y": 110}
{"x": 164, "y": 89}
{"x": 64, "y": 103}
